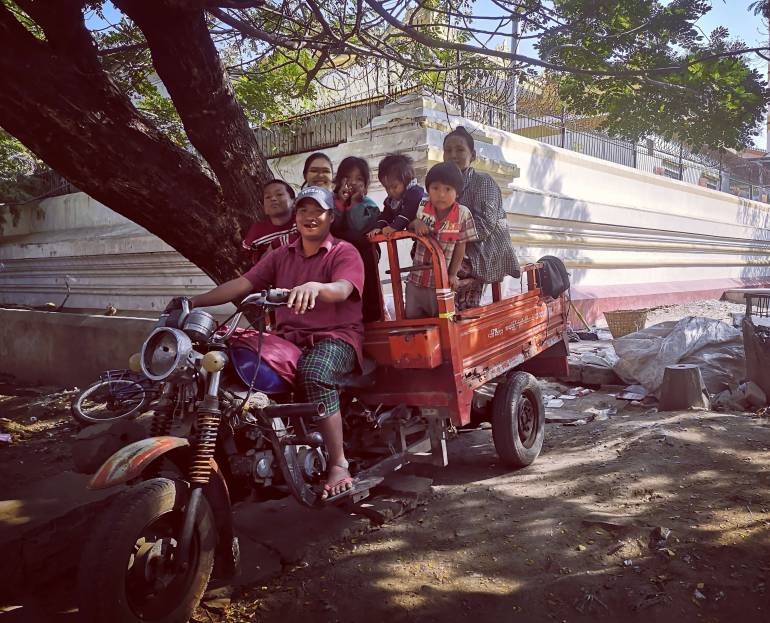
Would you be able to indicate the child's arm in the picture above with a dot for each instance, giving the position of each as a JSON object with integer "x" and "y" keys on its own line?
{"x": 454, "y": 265}
{"x": 419, "y": 227}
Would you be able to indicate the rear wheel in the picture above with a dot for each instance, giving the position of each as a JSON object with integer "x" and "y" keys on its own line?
{"x": 109, "y": 400}
{"x": 518, "y": 419}
{"x": 128, "y": 572}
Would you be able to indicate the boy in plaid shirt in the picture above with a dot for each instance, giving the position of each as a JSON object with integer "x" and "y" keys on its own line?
{"x": 451, "y": 224}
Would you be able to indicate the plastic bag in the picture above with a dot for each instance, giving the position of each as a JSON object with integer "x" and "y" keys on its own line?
{"x": 714, "y": 346}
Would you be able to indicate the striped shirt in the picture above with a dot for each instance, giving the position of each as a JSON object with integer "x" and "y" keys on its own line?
{"x": 456, "y": 226}
{"x": 264, "y": 235}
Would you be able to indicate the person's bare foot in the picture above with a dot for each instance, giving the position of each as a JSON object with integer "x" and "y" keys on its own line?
{"x": 338, "y": 480}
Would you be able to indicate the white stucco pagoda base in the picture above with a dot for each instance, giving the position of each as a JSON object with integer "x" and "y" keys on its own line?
{"x": 629, "y": 238}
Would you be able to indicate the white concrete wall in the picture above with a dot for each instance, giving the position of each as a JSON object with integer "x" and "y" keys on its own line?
{"x": 107, "y": 259}
{"x": 622, "y": 232}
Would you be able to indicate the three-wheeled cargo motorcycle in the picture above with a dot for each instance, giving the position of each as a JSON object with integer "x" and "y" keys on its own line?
{"x": 214, "y": 440}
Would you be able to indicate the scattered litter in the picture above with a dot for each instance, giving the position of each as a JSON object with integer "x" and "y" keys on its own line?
{"x": 651, "y": 600}
{"x": 628, "y": 563}
{"x": 659, "y": 537}
{"x": 574, "y": 391}
{"x": 561, "y": 417}
{"x": 567, "y": 397}
{"x": 579, "y": 422}
{"x": 600, "y": 415}
{"x": 630, "y": 396}
{"x": 33, "y": 419}
{"x": 615, "y": 548}
{"x": 587, "y": 602}
{"x": 6, "y": 438}
{"x": 554, "y": 403}
{"x": 698, "y": 595}
{"x": 746, "y": 396}
{"x": 587, "y": 336}
{"x": 581, "y": 548}
{"x": 603, "y": 357}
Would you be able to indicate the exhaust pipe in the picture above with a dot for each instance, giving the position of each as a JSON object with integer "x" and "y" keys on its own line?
{"x": 303, "y": 410}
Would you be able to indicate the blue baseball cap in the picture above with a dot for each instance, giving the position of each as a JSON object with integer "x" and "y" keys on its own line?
{"x": 321, "y": 196}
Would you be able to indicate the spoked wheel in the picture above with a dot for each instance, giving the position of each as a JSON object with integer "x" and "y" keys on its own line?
{"x": 109, "y": 400}
{"x": 129, "y": 574}
{"x": 518, "y": 419}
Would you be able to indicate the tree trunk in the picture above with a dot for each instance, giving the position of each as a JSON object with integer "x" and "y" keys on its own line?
{"x": 73, "y": 116}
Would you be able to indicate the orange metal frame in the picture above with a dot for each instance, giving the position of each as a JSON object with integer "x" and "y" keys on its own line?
{"x": 477, "y": 345}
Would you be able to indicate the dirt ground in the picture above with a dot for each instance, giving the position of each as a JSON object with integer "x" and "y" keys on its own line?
{"x": 567, "y": 539}
{"x": 41, "y": 428}
{"x": 581, "y": 535}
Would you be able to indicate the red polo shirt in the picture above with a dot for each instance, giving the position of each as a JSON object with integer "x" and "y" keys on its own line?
{"x": 287, "y": 267}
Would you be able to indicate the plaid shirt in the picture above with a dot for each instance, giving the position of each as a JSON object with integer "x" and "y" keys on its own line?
{"x": 492, "y": 256}
{"x": 456, "y": 227}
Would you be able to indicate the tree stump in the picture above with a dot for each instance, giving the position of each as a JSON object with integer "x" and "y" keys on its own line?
{"x": 683, "y": 388}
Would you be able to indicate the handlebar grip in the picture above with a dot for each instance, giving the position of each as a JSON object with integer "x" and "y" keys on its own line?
{"x": 277, "y": 296}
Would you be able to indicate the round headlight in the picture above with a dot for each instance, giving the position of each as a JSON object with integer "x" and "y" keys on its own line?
{"x": 214, "y": 361}
{"x": 165, "y": 352}
{"x": 135, "y": 362}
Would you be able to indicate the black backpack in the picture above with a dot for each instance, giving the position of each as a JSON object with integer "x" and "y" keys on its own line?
{"x": 554, "y": 278}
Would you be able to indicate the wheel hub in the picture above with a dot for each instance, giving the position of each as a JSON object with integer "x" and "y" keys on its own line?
{"x": 152, "y": 563}
{"x": 527, "y": 421}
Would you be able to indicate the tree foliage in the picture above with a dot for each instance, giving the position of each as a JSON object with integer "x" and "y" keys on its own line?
{"x": 151, "y": 114}
{"x": 716, "y": 101}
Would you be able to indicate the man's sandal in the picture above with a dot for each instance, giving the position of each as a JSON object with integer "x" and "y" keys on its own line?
{"x": 342, "y": 494}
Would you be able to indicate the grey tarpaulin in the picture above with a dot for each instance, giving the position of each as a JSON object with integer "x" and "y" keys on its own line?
{"x": 714, "y": 346}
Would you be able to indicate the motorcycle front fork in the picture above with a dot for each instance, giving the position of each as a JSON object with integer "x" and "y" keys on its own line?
{"x": 208, "y": 418}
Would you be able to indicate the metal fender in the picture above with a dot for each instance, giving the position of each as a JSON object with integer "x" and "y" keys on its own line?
{"x": 130, "y": 461}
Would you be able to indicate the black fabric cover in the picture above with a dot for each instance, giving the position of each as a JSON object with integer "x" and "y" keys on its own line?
{"x": 554, "y": 278}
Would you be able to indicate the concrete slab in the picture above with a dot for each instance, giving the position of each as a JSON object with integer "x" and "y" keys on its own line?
{"x": 258, "y": 562}
{"x": 407, "y": 484}
{"x": 559, "y": 417}
{"x": 293, "y": 531}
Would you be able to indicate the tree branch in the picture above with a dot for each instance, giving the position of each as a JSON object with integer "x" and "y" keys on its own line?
{"x": 189, "y": 66}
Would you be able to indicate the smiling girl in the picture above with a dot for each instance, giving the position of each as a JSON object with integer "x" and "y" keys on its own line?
{"x": 355, "y": 215}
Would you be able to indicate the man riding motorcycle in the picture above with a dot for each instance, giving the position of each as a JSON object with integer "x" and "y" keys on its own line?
{"x": 325, "y": 275}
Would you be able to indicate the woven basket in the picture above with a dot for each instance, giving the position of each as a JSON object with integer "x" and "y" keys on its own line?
{"x": 624, "y": 321}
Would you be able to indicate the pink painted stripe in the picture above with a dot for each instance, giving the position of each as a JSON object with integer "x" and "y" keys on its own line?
{"x": 593, "y": 301}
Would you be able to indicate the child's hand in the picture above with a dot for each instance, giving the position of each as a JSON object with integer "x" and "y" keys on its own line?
{"x": 454, "y": 282}
{"x": 374, "y": 233}
{"x": 419, "y": 227}
{"x": 387, "y": 230}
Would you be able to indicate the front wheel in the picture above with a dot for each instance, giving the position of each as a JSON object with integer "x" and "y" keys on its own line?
{"x": 109, "y": 400}
{"x": 128, "y": 572}
{"x": 518, "y": 419}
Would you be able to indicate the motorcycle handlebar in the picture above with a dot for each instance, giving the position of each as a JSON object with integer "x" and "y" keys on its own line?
{"x": 273, "y": 297}
{"x": 266, "y": 298}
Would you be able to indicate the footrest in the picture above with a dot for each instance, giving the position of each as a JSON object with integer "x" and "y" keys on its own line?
{"x": 363, "y": 487}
